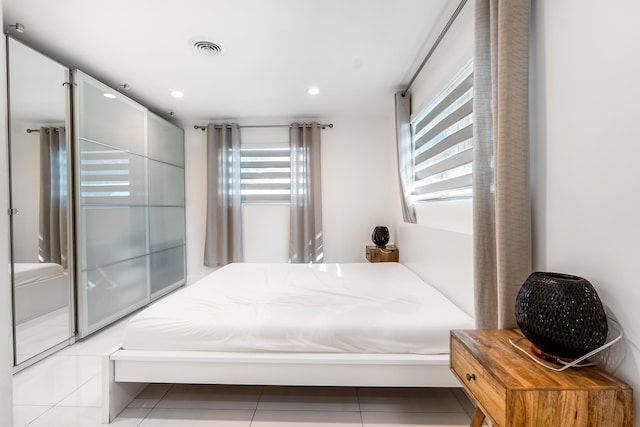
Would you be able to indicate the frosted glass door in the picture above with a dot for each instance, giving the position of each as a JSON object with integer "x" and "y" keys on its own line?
{"x": 113, "y": 211}
{"x": 166, "y": 206}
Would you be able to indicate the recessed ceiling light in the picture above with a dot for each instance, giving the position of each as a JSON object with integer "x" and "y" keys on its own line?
{"x": 313, "y": 91}
{"x": 108, "y": 95}
{"x": 177, "y": 94}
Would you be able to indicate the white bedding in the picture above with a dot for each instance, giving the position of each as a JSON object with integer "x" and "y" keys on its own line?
{"x": 28, "y": 273}
{"x": 361, "y": 308}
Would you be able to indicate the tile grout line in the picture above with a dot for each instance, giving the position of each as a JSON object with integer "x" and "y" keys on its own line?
{"x": 255, "y": 410}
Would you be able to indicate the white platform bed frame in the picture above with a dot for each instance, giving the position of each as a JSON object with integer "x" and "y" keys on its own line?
{"x": 434, "y": 255}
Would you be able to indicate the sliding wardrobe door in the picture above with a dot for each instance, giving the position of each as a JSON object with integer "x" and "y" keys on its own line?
{"x": 166, "y": 205}
{"x": 41, "y": 209}
{"x": 130, "y": 203}
{"x": 112, "y": 199}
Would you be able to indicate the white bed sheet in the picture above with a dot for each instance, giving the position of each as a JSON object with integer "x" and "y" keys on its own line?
{"x": 327, "y": 308}
{"x": 26, "y": 273}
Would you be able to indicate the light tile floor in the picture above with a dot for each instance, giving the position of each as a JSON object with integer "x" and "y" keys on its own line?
{"x": 64, "y": 390}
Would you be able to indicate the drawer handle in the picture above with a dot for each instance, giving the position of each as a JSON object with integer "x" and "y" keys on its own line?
{"x": 471, "y": 377}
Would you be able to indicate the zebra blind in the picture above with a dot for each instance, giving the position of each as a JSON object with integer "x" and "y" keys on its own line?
{"x": 265, "y": 173}
{"x": 442, "y": 138}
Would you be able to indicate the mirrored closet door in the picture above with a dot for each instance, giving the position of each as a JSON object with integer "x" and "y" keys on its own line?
{"x": 41, "y": 245}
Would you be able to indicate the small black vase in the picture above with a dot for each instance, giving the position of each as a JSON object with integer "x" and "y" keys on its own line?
{"x": 380, "y": 236}
{"x": 561, "y": 315}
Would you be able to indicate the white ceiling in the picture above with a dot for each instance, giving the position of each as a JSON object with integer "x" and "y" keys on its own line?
{"x": 358, "y": 52}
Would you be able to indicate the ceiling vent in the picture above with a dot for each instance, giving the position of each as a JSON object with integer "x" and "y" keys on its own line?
{"x": 207, "y": 48}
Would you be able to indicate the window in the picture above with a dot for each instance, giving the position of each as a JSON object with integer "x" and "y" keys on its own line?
{"x": 265, "y": 173}
{"x": 442, "y": 141}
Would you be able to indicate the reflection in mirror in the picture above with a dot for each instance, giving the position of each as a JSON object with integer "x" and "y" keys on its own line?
{"x": 40, "y": 244}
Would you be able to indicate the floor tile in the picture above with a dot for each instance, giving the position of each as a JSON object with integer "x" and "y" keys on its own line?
{"x": 23, "y": 415}
{"x": 150, "y": 396}
{"x": 309, "y": 399}
{"x": 409, "y": 400}
{"x": 306, "y": 419}
{"x": 89, "y": 394}
{"x": 197, "y": 418}
{"x": 87, "y": 417}
{"x": 415, "y": 419}
{"x": 198, "y": 396}
{"x": 53, "y": 379}
{"x": 464, "y": 400}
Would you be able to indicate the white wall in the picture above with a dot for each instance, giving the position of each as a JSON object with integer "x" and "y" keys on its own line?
{"x": 359, "y": 185}
{"x": 6, "y": 339}
{"x": 452, "y": 55}
{"x": 586, "y": 179}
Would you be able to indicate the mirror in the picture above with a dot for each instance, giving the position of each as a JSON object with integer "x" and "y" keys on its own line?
{"x": 41, "y": 247}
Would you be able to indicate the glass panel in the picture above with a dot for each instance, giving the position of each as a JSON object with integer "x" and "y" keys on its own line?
{"x": 109, "y": 117}
{"x": 167, "y": 268}
{"x": 167, "y": 227}
{"x": 166, "y": 141}
{"x": 114, "y": 289}
{"x": 166, "y": 184}
{"x": 110, "y": 176}
{"x": 41, "y": 247}
{"x": 112, "y": 234}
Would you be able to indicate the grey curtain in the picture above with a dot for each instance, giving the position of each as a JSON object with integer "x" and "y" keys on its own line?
{"x": 405, "y": 164}
{"x": 52, "y": 243}
{"x": 223, "y": 239}
{"x": 305, "y": 236}
{"x": 501, "y": 201}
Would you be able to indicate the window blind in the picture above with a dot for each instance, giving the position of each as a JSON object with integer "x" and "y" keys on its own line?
{"x": 442, "y": 138}
{"x": 265, "y": 174}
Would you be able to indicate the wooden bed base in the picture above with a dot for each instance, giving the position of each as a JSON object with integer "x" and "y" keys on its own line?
{"x": 127, "y": 372}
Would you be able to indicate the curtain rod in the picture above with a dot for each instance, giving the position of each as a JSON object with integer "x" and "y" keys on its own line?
{"x": 38, "y": 130}
{"x": 322, "y": 125}
{"x": 435, "y": 44}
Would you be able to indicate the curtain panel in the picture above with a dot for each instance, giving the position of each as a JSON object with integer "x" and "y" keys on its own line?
{"x": 501, "y": 200}
{"x": 305, "y": 236}
{"x": 405, "y": 161}
{"x": 52, "y": 243}
{"x": 223, "y": 239}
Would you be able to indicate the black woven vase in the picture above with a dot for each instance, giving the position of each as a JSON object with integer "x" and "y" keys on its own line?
{"x": 380, "y": 235}
{"x": 561, "y": 315}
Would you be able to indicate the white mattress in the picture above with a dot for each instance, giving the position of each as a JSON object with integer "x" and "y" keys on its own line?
{"x": 361, "y": 308}
{"x": 27, "y": 273}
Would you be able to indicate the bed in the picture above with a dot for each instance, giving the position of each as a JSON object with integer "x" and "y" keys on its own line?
{"x": 382, "y": 324}
{"x": 40, "y": 288}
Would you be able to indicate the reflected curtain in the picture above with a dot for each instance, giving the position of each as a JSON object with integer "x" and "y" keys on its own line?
{"x": 223, "y": 239}
{"x": 52, "y": 243}
{"x": 305, "y": 236}
{"x": 501, "y": 201}
{"x": 405, "y": 163}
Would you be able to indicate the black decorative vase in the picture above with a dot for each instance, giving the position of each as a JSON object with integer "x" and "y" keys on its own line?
{"x": 380, "y": 236}
{"x": 561, "y": 315}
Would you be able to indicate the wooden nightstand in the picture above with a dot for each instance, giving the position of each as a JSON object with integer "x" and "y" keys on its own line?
{"x": 512, "y": 390}
{"x": 387, "y": 254}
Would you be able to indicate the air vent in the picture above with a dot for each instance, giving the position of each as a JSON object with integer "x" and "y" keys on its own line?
{"x": 207, "y": 48}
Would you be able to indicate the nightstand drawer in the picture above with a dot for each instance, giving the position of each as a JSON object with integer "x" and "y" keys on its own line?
{"x": 488, "y": 394}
